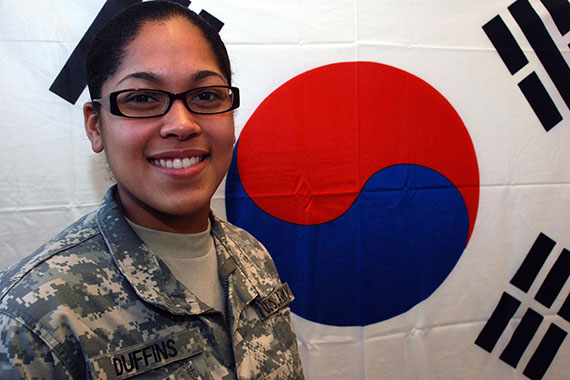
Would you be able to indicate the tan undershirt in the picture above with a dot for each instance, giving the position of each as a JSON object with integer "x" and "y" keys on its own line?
{"x": 191, "y": 258}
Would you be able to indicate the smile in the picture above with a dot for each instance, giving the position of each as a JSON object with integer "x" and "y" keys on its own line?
{"x": 177, "y": 163}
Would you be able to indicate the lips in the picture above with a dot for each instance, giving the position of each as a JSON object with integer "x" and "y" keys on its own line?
{"x": 177, "y": 163}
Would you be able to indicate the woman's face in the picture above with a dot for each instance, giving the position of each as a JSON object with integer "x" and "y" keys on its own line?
{"x": 169, "y": 55}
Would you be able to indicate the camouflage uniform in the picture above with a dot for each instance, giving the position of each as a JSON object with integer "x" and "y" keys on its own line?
{"x": 95, "y": 303}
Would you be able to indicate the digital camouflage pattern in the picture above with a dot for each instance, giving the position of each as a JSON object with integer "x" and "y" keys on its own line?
{"x": 94, "y": 303}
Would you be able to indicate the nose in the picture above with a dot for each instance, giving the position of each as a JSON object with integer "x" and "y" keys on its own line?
{"x": 179, "y": 122}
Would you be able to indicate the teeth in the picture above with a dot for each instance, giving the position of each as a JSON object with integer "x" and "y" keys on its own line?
{"x": 176, "y": 163}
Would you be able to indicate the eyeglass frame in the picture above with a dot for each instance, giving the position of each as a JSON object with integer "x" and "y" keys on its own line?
{"x": 109, "y": 102}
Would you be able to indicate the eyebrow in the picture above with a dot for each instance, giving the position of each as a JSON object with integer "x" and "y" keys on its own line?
{"x": 150, "y": 77}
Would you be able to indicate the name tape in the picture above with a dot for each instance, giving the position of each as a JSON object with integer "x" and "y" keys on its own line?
{"x": 279, "y": 298}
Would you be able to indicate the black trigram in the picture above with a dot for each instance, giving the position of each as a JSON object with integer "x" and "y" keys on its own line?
{"x": 547, "y": 293}
{"x": 546, "y": 50}
{"x": 71, "y": 80}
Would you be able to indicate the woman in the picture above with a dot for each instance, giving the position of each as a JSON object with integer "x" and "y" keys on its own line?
{"x": 152, "y": 284}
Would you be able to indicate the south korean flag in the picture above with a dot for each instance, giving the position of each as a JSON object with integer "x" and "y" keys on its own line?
{"x": 405, "y": 163}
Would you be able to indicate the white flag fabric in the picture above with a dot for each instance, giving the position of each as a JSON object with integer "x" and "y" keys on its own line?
{"x": 406, "y": 164}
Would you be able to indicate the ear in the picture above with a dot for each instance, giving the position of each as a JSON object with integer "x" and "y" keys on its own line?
{"x": 92, "y": 122}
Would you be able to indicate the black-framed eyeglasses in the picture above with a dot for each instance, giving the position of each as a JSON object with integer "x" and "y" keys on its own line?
{"x": 142, "y": 102}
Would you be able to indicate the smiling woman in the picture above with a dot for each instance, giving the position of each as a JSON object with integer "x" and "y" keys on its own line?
{"x": 172, "y": 199}
{"x": 152, "y": 283}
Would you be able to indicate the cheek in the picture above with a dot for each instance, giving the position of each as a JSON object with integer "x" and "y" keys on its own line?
{"x": 230, "y": 140}
{"x": 122, "y": 143}
{"x": 231, "y": 135}
{"x": 224, "y": 136}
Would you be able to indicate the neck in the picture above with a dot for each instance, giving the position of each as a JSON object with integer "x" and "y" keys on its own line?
{"x": 146, "y": 216}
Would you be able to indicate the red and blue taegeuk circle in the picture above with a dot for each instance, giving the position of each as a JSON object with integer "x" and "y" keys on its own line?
{"x": 362, "y": 181}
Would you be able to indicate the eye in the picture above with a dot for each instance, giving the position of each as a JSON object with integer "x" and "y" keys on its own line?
{"x": 207, "y": 96}
{"x": 209, "y": 100}
{"x": 142, "y": 103}
{"x": 140, "y": 97}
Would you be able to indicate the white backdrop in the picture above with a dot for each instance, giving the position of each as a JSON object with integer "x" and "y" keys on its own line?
{"x": 49, "y": 177}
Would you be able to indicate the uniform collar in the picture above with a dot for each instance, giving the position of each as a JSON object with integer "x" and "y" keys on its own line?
{"x": 148, "y": 275}
{"x": 251, "y": 259}
{"x": 239, "y": 261}
{"x": 242, "y": 262}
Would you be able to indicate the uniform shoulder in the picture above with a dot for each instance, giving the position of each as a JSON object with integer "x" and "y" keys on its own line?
{"x": 74, "y": 235}
{"x": 249, "y": 253}
{"x": 239, "y": 238}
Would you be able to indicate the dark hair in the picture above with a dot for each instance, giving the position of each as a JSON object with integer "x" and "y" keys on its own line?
{"x": 109, "y": 45}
